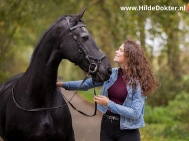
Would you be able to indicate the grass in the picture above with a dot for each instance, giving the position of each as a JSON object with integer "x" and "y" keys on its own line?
{"x": 154, "y": 132}
{"x": 89, "y": 95}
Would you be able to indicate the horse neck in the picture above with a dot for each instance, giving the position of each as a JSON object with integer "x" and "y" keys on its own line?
{"x": 42, "y": 71}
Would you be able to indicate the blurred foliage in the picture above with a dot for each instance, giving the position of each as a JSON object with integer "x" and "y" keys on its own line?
{"x": 173, "y": 118}
{"x": 163, "y": 35}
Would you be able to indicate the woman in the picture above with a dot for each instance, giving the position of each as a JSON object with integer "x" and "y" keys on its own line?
{"x": 123, "y": 95}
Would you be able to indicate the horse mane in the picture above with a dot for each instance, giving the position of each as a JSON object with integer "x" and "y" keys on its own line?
{"x": 41, "y": 38}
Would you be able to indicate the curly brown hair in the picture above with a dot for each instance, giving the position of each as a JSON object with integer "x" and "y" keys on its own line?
{"x": 138, "y": 67}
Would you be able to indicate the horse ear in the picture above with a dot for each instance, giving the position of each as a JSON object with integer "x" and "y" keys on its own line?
{"x": 77, "y": 17}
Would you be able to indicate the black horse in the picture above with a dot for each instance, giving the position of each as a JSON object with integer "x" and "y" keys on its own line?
{"x": 68, "y": 39}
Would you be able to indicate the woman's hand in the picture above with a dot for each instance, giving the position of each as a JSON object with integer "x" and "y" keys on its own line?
{"x": 101, "y": 100}
{"x": 59, "y": 84}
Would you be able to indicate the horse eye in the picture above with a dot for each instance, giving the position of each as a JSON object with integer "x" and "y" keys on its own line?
{"x": 85, "y": 37}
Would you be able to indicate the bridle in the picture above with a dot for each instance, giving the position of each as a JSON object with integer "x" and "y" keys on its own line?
{"x": 82, "y": 50}
{"x": 90, "y": 71}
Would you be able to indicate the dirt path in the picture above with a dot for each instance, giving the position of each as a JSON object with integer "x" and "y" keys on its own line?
{"x": 85, "y": 128}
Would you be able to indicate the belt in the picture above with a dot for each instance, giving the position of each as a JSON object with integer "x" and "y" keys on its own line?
{"x": 111, "y": 117}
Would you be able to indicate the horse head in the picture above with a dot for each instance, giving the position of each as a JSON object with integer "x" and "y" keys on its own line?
{"x": 78, "y": 46}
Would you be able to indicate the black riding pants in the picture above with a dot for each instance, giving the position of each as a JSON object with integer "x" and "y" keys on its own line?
{"x": 110, "y": 131}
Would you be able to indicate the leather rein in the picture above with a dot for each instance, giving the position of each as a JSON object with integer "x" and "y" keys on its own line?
{"x": 91, "y": 71}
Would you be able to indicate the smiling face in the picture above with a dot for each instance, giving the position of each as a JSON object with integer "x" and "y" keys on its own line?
{"x": 120, "y": 56}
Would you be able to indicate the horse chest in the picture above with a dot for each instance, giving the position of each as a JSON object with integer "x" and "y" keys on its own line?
{"x": 41, "y": 127}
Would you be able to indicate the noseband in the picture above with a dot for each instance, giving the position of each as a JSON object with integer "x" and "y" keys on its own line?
{"x": 92, "y": 66}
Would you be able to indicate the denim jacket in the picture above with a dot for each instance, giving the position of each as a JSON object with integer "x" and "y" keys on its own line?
{"x": 131, "y": 112}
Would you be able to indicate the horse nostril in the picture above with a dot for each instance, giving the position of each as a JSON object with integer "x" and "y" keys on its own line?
{"x": 109, "y": 71}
